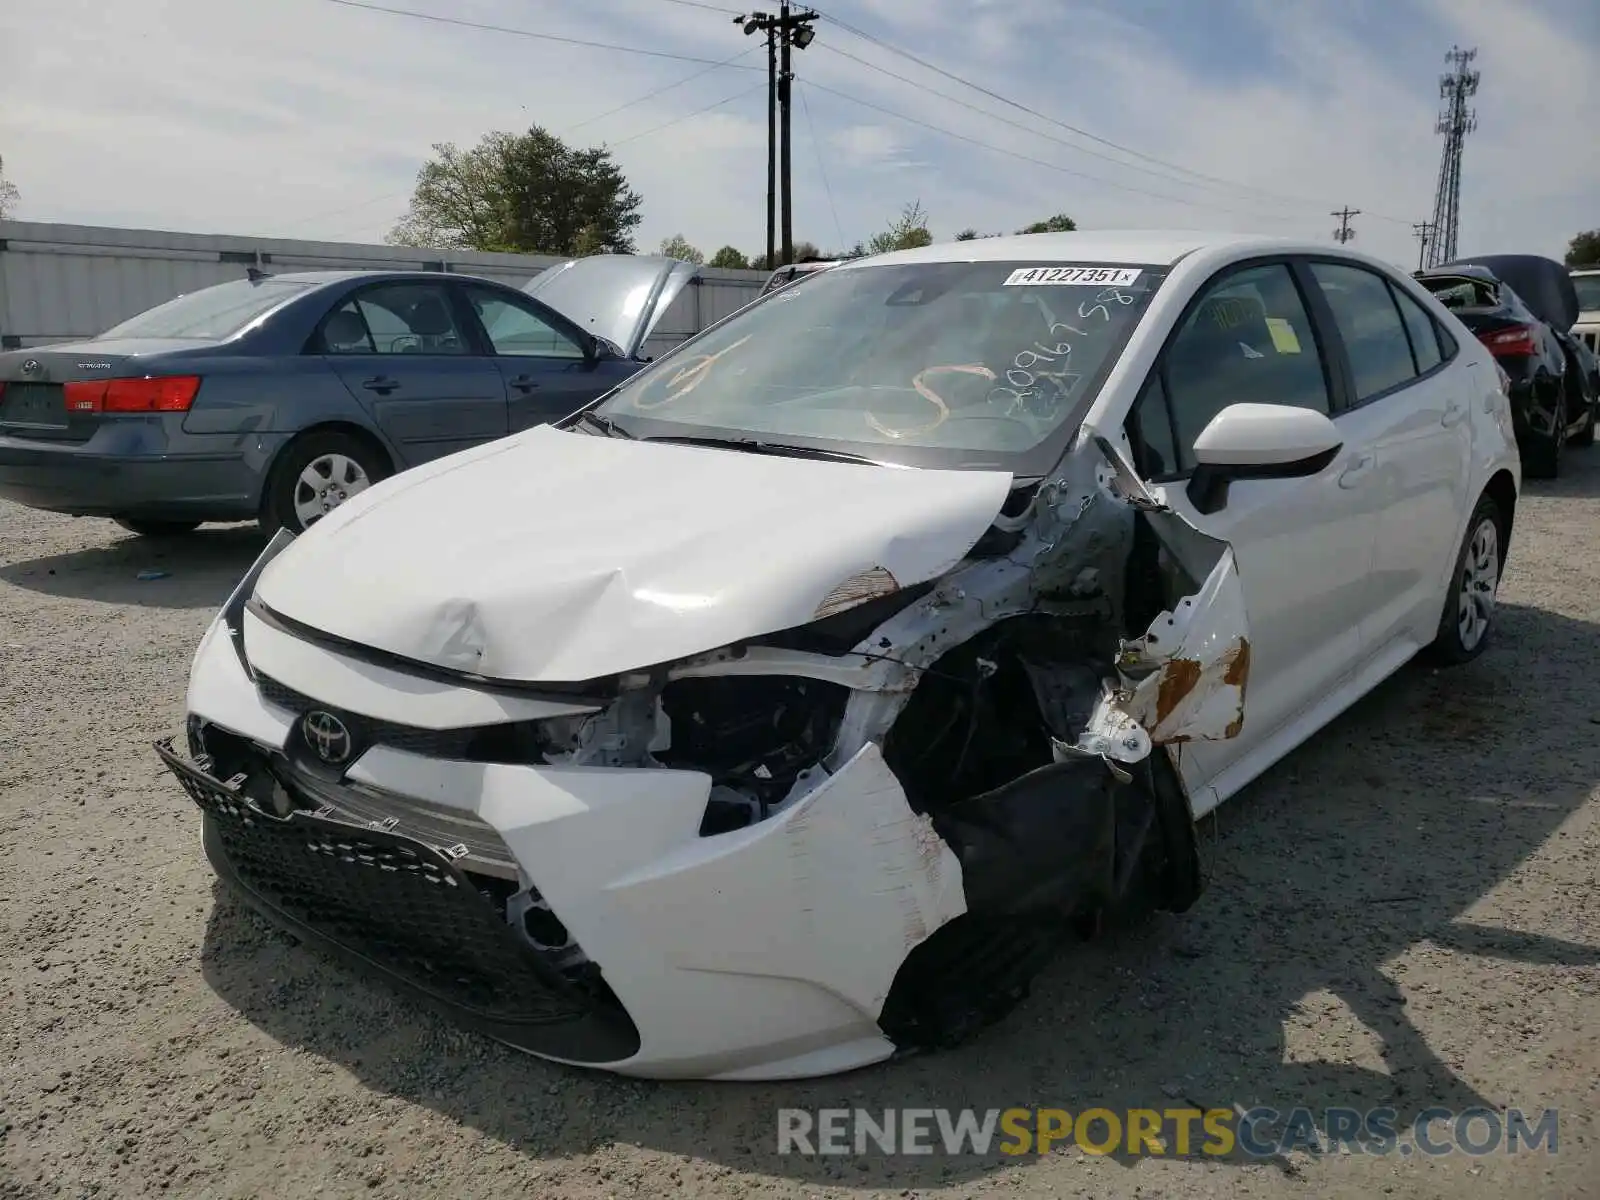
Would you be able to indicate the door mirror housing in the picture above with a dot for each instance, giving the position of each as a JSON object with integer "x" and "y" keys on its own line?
{"x": 1259, "y": 441}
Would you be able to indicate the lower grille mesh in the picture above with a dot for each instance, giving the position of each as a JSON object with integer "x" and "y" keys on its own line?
{"x": 397, "y": 903}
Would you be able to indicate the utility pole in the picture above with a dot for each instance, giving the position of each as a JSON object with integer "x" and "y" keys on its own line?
{"x": 1423, "y": 232}
{"x": 788, "y": 29}
{"x": 1455, "y": 122}
{"x": 1344, "y": 233}
{"x": 762, "y": 23}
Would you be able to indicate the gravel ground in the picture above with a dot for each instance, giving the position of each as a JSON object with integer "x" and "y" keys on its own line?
{"x": 1404, "y": 913}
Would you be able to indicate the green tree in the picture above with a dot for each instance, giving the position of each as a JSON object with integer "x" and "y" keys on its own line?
{"x": 802, "y": 251}
{"x": 729, "y": 258}
{"x": 677, "y": 246}
{"x": 1060, "y": 223}
{"x": 909, "y": 230}
{"x": 9, "y": 195}
{"x": 1582, "y": 251}
{"x": 527, "y": 193}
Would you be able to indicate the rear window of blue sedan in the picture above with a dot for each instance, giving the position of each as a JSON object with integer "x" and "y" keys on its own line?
{"x": 211, "y": 313}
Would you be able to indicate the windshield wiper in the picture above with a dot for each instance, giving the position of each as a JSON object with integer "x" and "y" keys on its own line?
{"x": 606, "y": 425}
{"x": 762, "y": 446}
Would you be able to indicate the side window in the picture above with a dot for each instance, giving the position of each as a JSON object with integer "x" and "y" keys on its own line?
{"x": 1447, "y": 342}
{"x": 1374, "y": 335}
{"x": 1248, "y": 340}
{"x": 515, "y": 329}
{"x": 400, "y": 318}
{"x": 1424, "y": 338}
{"x": 1150, "y": 430}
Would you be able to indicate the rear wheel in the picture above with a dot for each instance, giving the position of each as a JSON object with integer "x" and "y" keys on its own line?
{"x": 315, "y": 475}
{"x": 156, "y": 529}
{"x": 1469, "y": 607}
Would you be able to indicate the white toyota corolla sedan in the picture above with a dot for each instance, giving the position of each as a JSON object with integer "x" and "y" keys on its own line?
{"x": 787, "y": 707}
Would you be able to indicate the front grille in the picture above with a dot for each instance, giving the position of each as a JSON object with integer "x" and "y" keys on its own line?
{"x": 512, "y": 742}
{"x": 401, "y": 905}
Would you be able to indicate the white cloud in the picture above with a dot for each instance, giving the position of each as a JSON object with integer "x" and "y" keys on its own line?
{"x": 305, "y": 118}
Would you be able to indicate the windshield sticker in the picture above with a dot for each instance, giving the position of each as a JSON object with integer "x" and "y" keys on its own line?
{"x": 1073, "y": 276}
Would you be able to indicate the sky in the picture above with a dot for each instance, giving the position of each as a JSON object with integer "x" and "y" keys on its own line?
{"x": 310, "y": 118}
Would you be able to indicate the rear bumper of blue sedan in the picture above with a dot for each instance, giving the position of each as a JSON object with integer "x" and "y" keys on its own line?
{"x": 145, "y": 468}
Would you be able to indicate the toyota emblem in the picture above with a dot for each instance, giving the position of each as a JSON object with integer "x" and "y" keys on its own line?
{"x": 31, "y": 367}
{"x": 327, "y": 736}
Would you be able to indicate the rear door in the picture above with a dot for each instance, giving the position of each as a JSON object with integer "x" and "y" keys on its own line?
{"x": 1410, "y": 407}
{"x": 400, "y": 350}
{"x": 539, "y": 355}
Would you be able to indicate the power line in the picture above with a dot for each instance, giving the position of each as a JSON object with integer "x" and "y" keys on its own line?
{"x": 529, "y": 33}
{"x": 611, "y": 112}
{"x": 1028, "y": 129}
{"x": 961, "y": 137}
{"x": 731, "y": 12}
{"x": 688, "y": 116}
{"x": 822, "y": 170}
{"x": 1084, "y": 133}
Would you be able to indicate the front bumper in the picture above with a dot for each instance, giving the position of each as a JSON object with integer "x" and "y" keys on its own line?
{"x": 761, "y": 953}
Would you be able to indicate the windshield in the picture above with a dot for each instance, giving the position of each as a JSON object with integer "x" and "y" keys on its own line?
{"x": 932, "y": 364}
{"x": 1588, "y": 288}
{"x": 209, "y": 314}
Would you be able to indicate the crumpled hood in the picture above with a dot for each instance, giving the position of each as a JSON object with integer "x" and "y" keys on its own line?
{"x": 561, "y": 557}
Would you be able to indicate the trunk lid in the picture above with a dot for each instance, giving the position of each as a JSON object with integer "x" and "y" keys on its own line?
{"x": 562, "y": 557}
{"x": 32, "y": 400}
{"x": 619, "y": 297}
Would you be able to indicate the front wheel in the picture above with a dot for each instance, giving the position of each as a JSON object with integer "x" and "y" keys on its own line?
{"x": 316, "y": 474}
{"x": 1469, "y": 607}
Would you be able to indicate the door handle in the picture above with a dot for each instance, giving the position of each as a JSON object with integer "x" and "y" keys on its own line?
{"x": 1454, "y": 414}
{"x": 1356, "y": 470}
{"x": 381, "y": 384}
{"x": 525, "y": 383}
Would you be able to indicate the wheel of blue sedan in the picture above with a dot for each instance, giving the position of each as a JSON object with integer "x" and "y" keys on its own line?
{"x": 316, "y": 475}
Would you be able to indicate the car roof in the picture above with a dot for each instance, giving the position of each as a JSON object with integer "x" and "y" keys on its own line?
{"x": 1122, "y": 247}
{"x": 325, "y": 277}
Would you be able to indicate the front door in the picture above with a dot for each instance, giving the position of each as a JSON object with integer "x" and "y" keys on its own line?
{"x": 400, "y": 351}
{"x": 1302, "y": 546}
{"x": 547, "y": 374}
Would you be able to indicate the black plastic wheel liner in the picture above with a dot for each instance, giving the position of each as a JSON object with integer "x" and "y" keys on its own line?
{"x": 400, "y": 909}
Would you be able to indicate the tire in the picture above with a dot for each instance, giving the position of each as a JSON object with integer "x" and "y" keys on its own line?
{"x": 316, "y": 473}
{"x": 1475, "y": 581}
{"x": 1585, "y": 437}
{"x": 1541, "y": 455}
{"x": 156, "y": 529}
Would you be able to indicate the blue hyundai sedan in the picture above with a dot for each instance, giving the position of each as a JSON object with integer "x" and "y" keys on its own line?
{"x": 277, "y": 397}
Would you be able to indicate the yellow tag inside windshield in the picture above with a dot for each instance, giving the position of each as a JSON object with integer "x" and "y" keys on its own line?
{"x": 1283, "y": 336}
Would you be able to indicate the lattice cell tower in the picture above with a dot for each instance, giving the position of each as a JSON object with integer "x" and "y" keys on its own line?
{"x": 1455, "y": 122}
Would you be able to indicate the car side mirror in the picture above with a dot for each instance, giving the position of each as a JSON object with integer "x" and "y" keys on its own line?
{"x": 1259, "y": 441}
